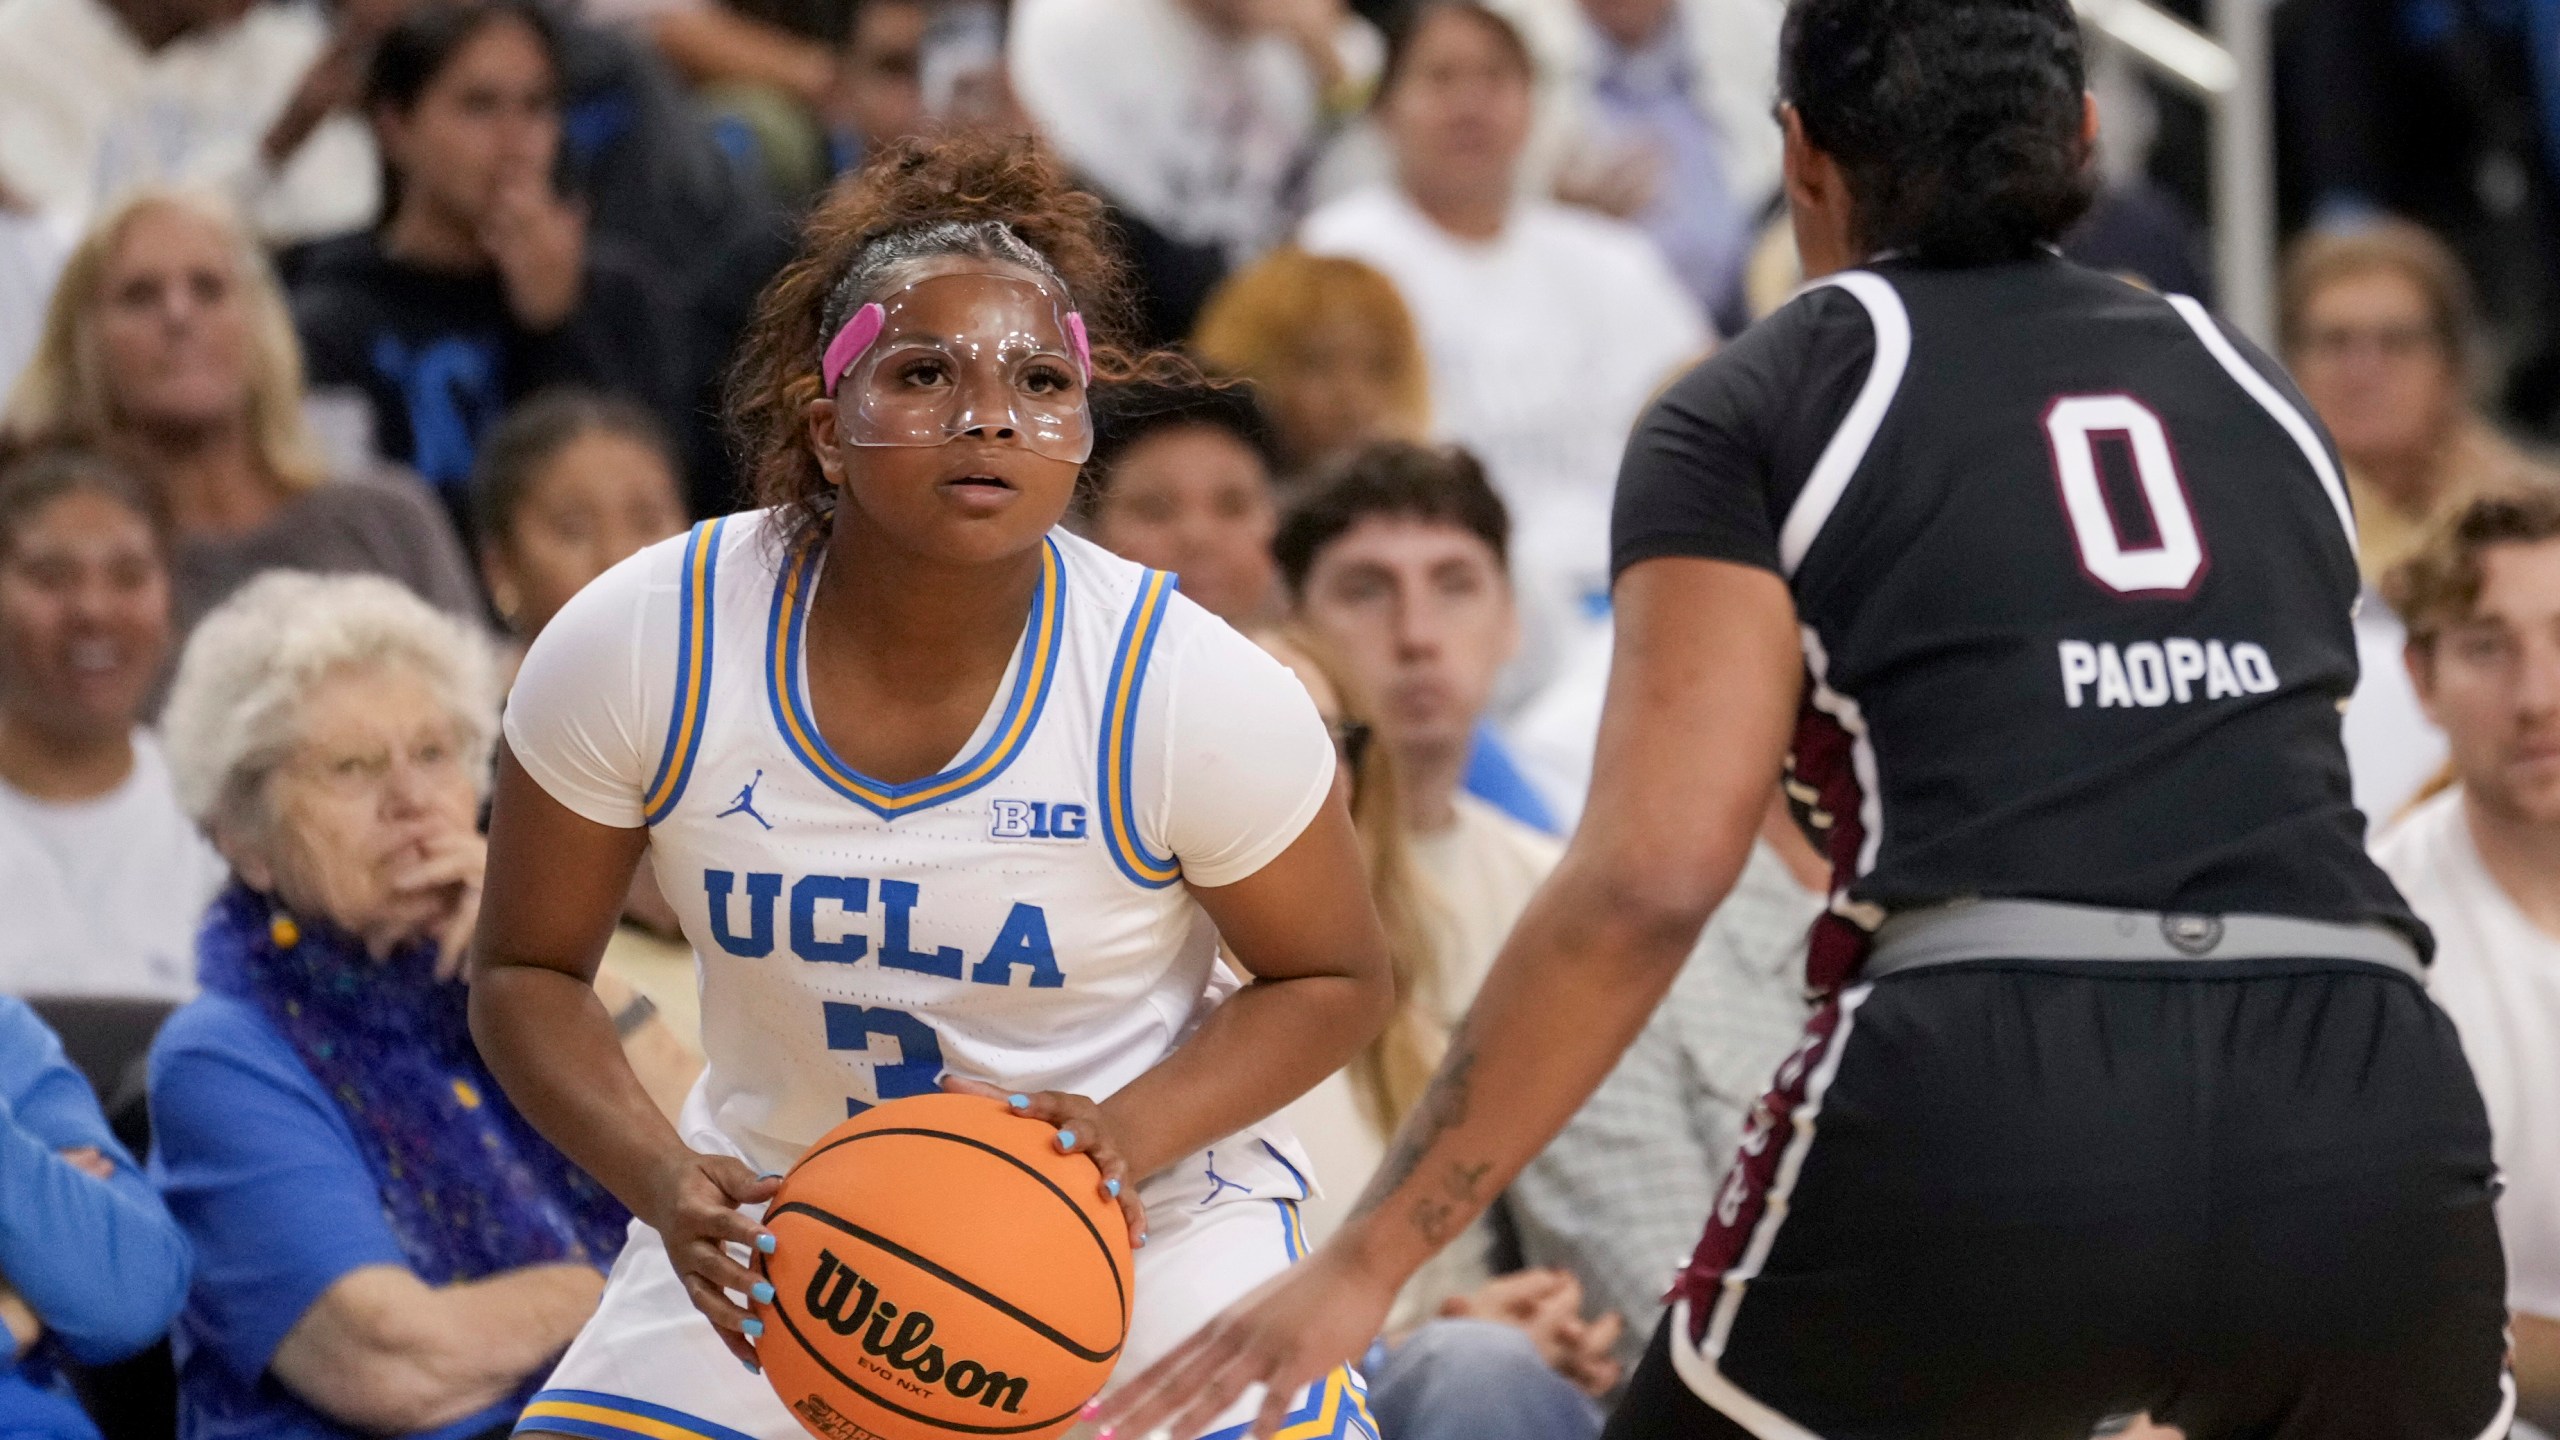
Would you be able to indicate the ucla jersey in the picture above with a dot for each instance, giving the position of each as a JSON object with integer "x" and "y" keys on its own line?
{"x": 1008, "y": 918}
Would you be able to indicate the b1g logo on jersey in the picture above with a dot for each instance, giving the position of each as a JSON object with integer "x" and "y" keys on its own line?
{"x": 1036, "y": 820}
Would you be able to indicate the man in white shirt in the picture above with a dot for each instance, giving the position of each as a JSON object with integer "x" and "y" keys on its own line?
{"x": 1548, "y": 328}
{"x": 98, "y": 97}
{"x": 1194, "y": 117}
{"x": 2480, "y": 863}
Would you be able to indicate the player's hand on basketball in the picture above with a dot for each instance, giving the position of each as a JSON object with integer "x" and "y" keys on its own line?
{"x": 1081, "y": 1131}
{"x": 1301, "y": 1323}
{"x": 694, "y": 1208}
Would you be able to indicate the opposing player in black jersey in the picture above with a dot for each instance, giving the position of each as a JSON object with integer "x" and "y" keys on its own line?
{"x": 2124, "y": 1095}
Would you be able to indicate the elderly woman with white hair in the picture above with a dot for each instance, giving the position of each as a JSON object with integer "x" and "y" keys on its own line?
{"x": 384, "y": 1246}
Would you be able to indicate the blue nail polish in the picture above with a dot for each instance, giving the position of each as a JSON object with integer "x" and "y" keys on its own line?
{"x": 1142, "y": 1237}
{"x": 1111, "y": 1188}
{"x": 1066, "y": 1139}
{"x": 762, "y": 1294}
{"x": 1018, "y": 1102}
{"x": 764, "y": 1243}
{"x": 752, "y": 1367}
{"x": 753, "y": 1327}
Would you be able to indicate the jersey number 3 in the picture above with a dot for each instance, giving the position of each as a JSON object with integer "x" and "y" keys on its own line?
{"x": 2175, "y": 557}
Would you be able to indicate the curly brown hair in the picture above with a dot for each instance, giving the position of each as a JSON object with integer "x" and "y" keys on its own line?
{"x": 994, "y": 197}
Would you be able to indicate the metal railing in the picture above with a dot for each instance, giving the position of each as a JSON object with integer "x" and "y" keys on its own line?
{"x": 2232, "y": 72}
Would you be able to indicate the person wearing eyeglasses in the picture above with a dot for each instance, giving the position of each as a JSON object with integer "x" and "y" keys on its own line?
{"x": 384, "y": 1246}
{"x": 2380, "y": 329}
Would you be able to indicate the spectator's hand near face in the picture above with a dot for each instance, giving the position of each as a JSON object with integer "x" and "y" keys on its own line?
{"x": 442, "y": 880}
{"x": 539, "y": 242}
{"x": 1314, "y": 26}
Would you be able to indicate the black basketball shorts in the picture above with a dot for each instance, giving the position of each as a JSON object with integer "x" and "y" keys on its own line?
{"x": 2019, "y": 1202}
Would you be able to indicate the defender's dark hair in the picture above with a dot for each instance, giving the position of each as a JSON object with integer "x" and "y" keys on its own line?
{"x": 415, "y": 50}
{"x": 30, "y": 481}
{"x": 1438, "y": 483}
{"x": 1127, "y": 413}
{"x": 532, "y": 433}
{"x": 1957, "y": 122}
{"x": 996, "y": 198}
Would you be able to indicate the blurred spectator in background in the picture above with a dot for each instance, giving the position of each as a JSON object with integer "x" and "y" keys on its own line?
{"x": 1465, "y": 1358}
{"x": 1194, "y": 118}
{"x": 1548, "y": 328}
{"x": 1180, "y": 480}
{"x": 106, "y": 877}
{"x": 878, "y": 95}
{"x": 481, "y": 285}
{"x": 2480, "y": 864}
{"x": 570, "y": 484}
{"x": 1331, "y": 352}
{"x": 100, "y": 96}
{"x": 383, "y": 1245}
{"x": 168, "y": 347}
{"x": 1396, "y": 561}
{"x": 91, "y": 1266}
{"x": 1660, "y": 112}
{"x": 2378, "y": 328}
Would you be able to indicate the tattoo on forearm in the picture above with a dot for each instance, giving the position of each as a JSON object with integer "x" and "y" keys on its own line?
{"x": 1436, "y": 1216}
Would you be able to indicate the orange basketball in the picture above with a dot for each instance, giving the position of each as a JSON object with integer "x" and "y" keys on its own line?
{"x": 940, "y": 1269}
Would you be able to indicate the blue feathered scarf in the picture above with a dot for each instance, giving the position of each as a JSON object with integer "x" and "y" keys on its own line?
{"x": 467, "y": 1185}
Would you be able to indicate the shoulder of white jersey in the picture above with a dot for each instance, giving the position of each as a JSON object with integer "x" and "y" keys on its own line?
{"x": 1145, "y": 605}
{"x": 690, "y": 565}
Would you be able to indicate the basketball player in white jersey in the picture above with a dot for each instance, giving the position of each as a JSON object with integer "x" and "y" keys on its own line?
{"x": 945, "y": 797}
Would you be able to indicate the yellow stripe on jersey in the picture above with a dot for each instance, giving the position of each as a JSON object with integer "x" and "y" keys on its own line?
{"x": 1119, "y": 738}
{"x": 693, "y": 673}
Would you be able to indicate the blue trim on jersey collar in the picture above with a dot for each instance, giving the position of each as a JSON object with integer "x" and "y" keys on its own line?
{"x": 687, "y": 715}
{"x": 1044, "y": 634}
{"x": 1116, "y": 753}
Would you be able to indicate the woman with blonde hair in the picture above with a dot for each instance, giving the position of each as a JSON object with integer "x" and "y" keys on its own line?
{"x": 168, "y": 346}
{"x": 1331, "y": 351}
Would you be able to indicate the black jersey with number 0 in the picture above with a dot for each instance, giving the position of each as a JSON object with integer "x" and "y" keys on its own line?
{"x": 2075, "y": 571}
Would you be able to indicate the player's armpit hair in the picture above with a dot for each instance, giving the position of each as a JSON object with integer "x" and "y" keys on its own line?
{"x": 1957, "y": 122}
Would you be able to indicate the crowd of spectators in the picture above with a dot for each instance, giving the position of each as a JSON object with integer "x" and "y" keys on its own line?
{"x": 342, "y": 341}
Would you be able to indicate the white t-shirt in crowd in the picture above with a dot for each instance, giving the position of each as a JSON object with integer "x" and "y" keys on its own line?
{"x": 87, "y": 114}
{"x": 1481, "y": 872}
{"x": 1545, "y": 346}
{"x": 105, "y": 895}
{"x": 2393, "y": 749}
{"x": 2498, "y": 975}
{"x": 1195, "y": 132}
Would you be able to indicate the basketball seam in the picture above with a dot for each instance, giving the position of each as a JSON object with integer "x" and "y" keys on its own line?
{"x": 1118, "y": 1287}
{"x": 979, "y": 1292}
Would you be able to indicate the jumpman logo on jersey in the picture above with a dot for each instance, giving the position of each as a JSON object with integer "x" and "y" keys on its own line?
{"x": 746, "y": 803}
{"x": 1219, "y": 1184}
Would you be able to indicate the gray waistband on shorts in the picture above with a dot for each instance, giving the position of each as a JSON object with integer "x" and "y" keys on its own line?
{"x": 2044, "y": 930}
